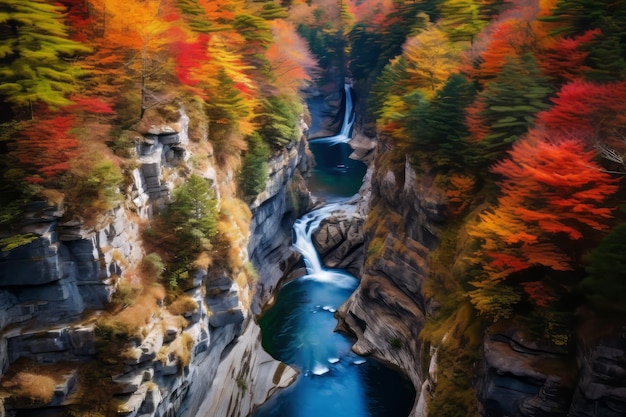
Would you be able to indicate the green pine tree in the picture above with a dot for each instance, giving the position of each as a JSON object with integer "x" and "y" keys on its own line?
{"x": 193, "y": 214}
{"x": 254, "y": 170}
{"x": 605, "y": 286}
{"x": 512, "y": 99}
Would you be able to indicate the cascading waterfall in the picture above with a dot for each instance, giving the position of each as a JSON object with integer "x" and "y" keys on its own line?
{"x": 303, "y": 230}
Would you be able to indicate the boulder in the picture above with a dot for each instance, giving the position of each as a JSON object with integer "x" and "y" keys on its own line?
{"x": 339, "y": 241}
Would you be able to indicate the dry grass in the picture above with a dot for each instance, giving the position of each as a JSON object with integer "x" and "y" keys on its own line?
{"x": 233, "y": 243}
{"x": 53, "y": 197}
{"x": 34, "y": 387}
{"x": 169, "y": 320}
{"x": 179, "y": 350}
{"x": 203, "y": 261}
{"x": 30, "y": 383}
{"x": 183, "y": 305}
{"x": 238, "y": 212}
{"x": 134, "y": 312}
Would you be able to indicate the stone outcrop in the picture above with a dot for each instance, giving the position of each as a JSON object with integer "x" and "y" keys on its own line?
{"x": 601, "y": 387}
{"x": 340, "y": 238}
{"x": 256, "y": 374}
{"x": 516, "y": 381}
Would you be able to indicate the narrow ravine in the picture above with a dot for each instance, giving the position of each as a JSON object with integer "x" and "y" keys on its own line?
{"x": 299, "y": 330}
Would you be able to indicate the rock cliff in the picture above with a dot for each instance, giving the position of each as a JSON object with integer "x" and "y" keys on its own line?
{"x": 274, "y": 211}
{"x": 55, "y": 290}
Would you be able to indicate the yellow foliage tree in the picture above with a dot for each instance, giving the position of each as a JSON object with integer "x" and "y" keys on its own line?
{"x": 431, "y": 59}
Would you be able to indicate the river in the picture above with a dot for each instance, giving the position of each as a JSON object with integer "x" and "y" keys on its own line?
{"x": 299, "y": 328}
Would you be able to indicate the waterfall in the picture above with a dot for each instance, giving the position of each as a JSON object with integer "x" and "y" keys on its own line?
{"x": 344, "y": 134}
{"x": 303, "y": 230}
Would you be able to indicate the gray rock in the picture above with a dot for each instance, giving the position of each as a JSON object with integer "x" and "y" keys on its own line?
{"x": 83, "y": 340}
{"x": 169, "y": 139}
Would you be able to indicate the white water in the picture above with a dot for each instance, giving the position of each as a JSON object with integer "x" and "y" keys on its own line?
{"x": 303, "y": 230}
{"x": 344, "y": 134}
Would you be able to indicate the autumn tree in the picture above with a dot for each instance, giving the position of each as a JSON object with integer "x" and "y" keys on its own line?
{"x": 430, "y": 60}
{"x": 46, "y": 147}
{"x": 553, "y": 196}
{"x": 595, "y": 112}
{"x": 503, "y": 40}
{"x": 36, "y": 55}
{"x": 290, "y": 62}
{"x": 139, "y": 29}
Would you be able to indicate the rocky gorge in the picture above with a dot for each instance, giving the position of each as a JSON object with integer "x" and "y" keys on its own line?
{"x": 53, "y": 290}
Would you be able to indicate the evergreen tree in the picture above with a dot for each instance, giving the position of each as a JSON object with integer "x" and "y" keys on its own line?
{"x": 277, "y": 121}
{"x": 606, "y": 284}
{"x": 193, "y": 213}
{"x": 461, "y": 20}
{"x": 505, "y": 109}
{"x": 437, "y": 128}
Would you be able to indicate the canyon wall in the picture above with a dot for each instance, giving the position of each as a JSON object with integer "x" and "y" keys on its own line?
{"x": 207, "y": 362}
{"x": 387, "y": 311}
{"x": 397, "y": 225}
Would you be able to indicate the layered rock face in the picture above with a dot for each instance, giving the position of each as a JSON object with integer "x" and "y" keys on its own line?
{"x": 520, "y": 376}
{"x": 274, "y": 211}
{"x": 53, "y": 290}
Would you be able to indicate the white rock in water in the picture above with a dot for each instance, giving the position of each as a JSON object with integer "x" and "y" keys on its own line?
{"x": 359, "y": 361}
{"x": 333, "y": 360}
{"x": 319, "y": 369}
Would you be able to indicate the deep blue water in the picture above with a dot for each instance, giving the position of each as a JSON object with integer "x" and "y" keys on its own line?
{"x": 335, "y": 177}
{"x": 333, "y": 381}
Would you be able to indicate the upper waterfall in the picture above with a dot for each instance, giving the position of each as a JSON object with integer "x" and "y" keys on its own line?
{"x": 345, "y": 133}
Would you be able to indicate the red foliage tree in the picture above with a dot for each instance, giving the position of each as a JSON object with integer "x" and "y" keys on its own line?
{"x": 553, "y": 194}
{"x": 591, "y": 111}
{"x": 564, "y": 57}
{"x": 46, "y": 146}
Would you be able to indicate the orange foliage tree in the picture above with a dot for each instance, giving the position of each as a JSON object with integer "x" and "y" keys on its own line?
{"x": 289, "y": 58}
